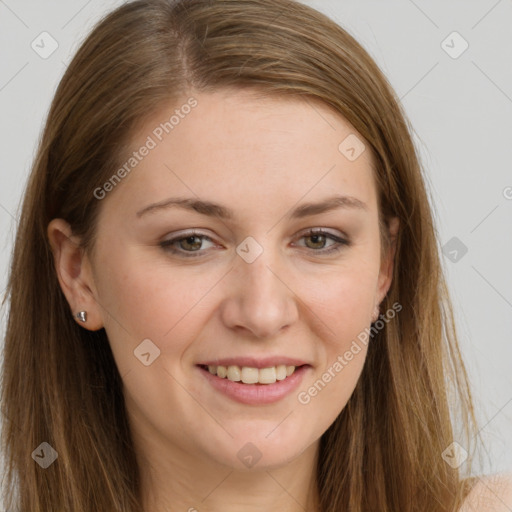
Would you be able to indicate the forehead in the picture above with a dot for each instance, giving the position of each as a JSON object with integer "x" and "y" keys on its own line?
{"x": 241, "y": 148}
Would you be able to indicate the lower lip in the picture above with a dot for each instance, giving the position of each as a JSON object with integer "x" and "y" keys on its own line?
{"x": 256, "y": 394}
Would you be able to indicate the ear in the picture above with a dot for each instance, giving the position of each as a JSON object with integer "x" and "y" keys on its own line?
{"x": 74, "y": 274}
{"x": 386, "y": 268}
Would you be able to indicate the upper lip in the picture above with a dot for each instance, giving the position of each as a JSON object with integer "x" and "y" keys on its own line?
{"x": 254, "y": 362}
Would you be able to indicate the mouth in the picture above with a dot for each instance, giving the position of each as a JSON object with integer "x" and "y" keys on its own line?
{"x": 252, "y": 375}
{"x": 252, "y": 385}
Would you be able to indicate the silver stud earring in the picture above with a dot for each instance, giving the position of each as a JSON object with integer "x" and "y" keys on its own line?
{"x": 82, "y": 316}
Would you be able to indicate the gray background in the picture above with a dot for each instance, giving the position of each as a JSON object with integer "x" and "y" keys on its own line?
{"x": 461, "y": 110}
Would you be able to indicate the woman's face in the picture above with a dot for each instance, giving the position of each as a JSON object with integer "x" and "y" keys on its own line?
{"x": 252, "y": 288}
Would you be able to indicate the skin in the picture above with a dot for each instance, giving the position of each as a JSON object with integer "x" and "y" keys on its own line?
{"x": 260, "y": 157}
{"x": 491, "y": 493}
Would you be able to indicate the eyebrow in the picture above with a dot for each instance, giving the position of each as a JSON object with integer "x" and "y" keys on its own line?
{"x": 216, "y": 210}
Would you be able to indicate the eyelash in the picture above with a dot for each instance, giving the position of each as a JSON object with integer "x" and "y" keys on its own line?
{"x": 167, "y": 244}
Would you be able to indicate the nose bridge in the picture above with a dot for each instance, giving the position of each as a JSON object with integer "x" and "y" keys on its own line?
{"x": 259, "y": 277}
{"x": 262, "y": 303}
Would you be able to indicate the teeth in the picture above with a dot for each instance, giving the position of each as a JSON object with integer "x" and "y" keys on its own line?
{"x": 249, "y": 375}
{"x": 267, "y": 375}
{"x": 281, "y": 372}
{"x": 233, "y": 373}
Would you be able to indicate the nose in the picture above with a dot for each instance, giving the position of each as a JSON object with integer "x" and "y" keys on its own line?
{"x": 259, "y": 299}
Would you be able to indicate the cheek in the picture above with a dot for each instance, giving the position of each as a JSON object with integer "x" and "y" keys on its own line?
{"x": 168, "y": 306}
{"x": 138, "y": 304}
{"x": 344, "y": 303}
{"x": 343, "y": 308}
{"x": 330, "y": 391}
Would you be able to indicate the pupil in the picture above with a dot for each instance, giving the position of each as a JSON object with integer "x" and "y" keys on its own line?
{"x": 189, "y": 240}
{"x": 315, "y": 238}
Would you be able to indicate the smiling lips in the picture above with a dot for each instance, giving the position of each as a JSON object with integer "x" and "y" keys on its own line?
{"x": 251, "y": 375}
{"x": 251, "y": 370}
{"x": 254, "y": 385}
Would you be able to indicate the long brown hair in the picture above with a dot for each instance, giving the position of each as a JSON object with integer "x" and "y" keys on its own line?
{"x": 60, "y": 383}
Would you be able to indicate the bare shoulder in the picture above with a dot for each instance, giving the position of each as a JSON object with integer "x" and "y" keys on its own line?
{"x": 491, "y": 493}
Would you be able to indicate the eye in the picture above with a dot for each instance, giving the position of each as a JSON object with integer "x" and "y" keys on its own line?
{"x": 320, "y": 236}
{"x": 192, "y": 243}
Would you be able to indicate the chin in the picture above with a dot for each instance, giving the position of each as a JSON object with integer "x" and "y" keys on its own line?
{"x": 253, "y": 449}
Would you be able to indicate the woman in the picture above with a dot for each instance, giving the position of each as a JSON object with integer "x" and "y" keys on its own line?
{"x": 225, "y": 291}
